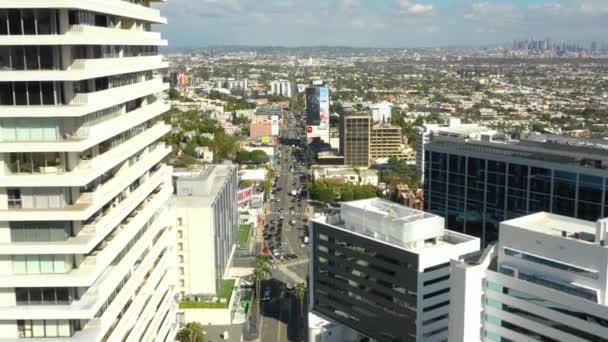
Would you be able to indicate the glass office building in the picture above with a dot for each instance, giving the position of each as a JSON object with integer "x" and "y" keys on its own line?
{"x": 476, "y": 184}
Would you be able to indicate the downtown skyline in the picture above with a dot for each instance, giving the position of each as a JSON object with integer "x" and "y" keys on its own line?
{"x": 386, "y": 23}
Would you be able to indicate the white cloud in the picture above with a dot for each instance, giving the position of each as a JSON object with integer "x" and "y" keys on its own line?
{"x": 406, "y": 6}
{"x": 593, "y": 7}
{"x": 367, "y": 24}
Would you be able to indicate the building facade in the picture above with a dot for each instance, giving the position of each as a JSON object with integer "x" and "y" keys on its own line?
{"x": 453, "y": 127}
{"x": 86, "y": 243}
{"x": 281, "y": 88}
{"x": 383, "y": 270}
{"x": 386, "y": 142}
{"x": 477, "y": 184}
{"x": 545, "y": 280}
{"x": 355, "y": 133}
{"x": 207, "y": 224}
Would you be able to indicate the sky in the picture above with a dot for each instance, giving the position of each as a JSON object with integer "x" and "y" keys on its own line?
{"x": 380, "y": 23}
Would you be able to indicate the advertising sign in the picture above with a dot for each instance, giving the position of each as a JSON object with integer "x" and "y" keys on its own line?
{"x": 274, "y": 121}
{"x": 244, "y": 195}
{"x": 312, "y": 106}
{"x": 324, "y": 108}
{"x": 284, "y": 105}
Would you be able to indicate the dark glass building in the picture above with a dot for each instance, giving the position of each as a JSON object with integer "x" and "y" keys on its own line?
{"x": 477, "y": 183}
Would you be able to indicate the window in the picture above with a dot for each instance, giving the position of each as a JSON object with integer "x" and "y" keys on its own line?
{"x": 42, "y": 264}
{"x": 46, "y": 328}
{"x": 14, "y": 198}
{"x": 570, "y": 289}
{"x": 552, "y": 263}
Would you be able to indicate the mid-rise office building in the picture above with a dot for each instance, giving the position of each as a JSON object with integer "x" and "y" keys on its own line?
{"x": 355, "y": 136}
{"x": 381, "y": 112}
{"x": 479, "y": 182}
{"x": 86, "y": 244}
{"x": 207, "y": 224}
{"x": 453, "y": 127}
{"x": 386, "y": 142}
{"x": 545, "y": 280}
{"x": 281, "y": 88}
{"x": 383, "y": 270}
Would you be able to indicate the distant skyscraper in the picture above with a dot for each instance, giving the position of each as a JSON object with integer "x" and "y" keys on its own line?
{"x": 383, "y": 269}
{"x": 545, "y": 280}
{"x": 477, "y": 182}
{"x": 86, "y": 244}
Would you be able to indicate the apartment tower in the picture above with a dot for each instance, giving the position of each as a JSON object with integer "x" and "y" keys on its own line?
{"x": 86, "y": 245}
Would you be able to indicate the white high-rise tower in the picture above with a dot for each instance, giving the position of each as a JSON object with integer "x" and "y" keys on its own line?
{"x": 86, "y": 245}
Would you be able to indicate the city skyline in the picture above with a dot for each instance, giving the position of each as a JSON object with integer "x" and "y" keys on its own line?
{"x": 390, "y": 23}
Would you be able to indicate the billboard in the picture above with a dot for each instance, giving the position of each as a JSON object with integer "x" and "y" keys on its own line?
{"x": 274, "y": 122}
{"x": 283, "y": 105}
{"x": 313, "y": 115}
{"x": 244, "y": 195}
{"x": 183, "y": 79}
{"x": 324, "y": 107}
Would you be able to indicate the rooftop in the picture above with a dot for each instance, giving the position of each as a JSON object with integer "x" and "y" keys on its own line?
{"x": 394, "y": 224}
{"x": 584, "y": 152}
{"x": 202, "y": 181}
{"x": 557, "y": 225}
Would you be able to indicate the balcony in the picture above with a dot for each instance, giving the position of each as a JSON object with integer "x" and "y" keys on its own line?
{"x": 88, "y": 274}
{"x": 88, "y": 205}
{"x": 83, "y": 69}
{"x": 90, "y": 303}
{"x": 119, "y": 8}
{"x": 84, "y": 104}
{"x": 89, "y": 169}
{"x": 88, "y": 35}
{"x": 86, "y": 137}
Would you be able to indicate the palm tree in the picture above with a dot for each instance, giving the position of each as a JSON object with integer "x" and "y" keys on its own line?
{"x": 191, "y": 332}
{"x": 300, "y": 294}
{"x": 261, "y": 271}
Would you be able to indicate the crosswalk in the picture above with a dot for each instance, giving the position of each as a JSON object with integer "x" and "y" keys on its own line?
{"x": 276, "y": 213}
{"x": 292, "y": 275}
{"x": 294, "y": 262}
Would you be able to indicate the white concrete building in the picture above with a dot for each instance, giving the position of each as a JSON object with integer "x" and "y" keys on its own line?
{"x": 86, "y": 243}
{"x": 207, "y": 224}
{"x": 281, "y": 88}
{"x": 383, "y": 269}
{"x": 545, "y": 280}
{"x": 381, "y": 111}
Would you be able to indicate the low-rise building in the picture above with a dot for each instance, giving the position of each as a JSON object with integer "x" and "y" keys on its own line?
{"x": 386, "y": 142}
{"x": 207, "y": 223}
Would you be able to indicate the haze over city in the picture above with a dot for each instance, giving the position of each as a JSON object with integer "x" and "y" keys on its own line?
{"x": 380, "y": 23}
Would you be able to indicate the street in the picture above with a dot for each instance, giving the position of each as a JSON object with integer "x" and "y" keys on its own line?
{"x": 284, "y": 238}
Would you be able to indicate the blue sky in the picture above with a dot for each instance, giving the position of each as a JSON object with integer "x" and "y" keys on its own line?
{"x": 380, "y": 23}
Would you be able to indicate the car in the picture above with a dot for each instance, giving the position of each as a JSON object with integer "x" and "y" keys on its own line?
{"x": 291, "y": 256}
{"x": 266, "y": 294}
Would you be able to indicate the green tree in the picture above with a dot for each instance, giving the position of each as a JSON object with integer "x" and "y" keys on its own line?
{"x": 258, "y": 157}
{"x": 326, "y": 195}
{"x": 347, "y": 196}
{"x": 263, "y": 269}
{"x": 191, "y": 332}
{"x": 301, "y": 294}
{"x": 243, "y": 157}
